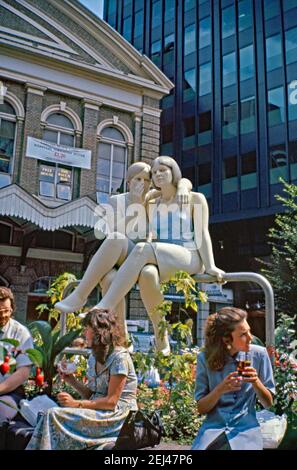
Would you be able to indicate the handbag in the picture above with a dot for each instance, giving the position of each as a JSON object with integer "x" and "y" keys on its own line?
{"x": 273, "y": 428}
{"x": 140, "y": 430}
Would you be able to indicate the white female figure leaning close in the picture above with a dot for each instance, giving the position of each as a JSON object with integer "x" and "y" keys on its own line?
{"x": 160, "y": 257}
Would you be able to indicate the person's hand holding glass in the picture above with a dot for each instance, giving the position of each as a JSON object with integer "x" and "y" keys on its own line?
{"x": 66, "y": 370}
{"x": 245, "y": 367}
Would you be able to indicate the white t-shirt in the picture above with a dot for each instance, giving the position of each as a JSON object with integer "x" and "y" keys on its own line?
{"x": 15, "y": 330}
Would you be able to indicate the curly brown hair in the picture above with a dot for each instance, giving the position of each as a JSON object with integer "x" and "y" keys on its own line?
{"x": 107, "y": 335}
{"x": 6, "y": 293}
{"x": 219, "y": 327}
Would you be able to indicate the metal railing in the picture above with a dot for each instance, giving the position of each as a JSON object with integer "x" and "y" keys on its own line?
{"x": 228, "y": 277}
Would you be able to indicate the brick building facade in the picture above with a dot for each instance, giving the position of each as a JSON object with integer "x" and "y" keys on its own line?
{"x": 66, "y": 78}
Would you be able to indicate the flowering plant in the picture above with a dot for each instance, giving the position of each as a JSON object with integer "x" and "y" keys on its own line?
{"x": 174, "y": 397}
{"x": 285, "y": 366}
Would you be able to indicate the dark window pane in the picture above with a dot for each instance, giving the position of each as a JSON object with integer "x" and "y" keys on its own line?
{"x": 246, "y": 60}
{"x": 205, "y": 121}
{"x": 169, "y": 10}
{"x": 47, "y": 173}
{"x": 156, "y": 14}
{"x": 156, "y": 52}
{"x": 271, "y": 9}
{"x": 244, "y": 14}
{"x": 205, "y": 79}
{"x": 276, "y": 106}
{"x": 248, "y": 163}
{"x": 229, "y": 120}
{"x": 189, "y": 126}
{"x": 4, "y": 164}
{"x": 67, "y": 139}
{"x": 229, "y": 69}
{"x": 189, "y": 84}
{"x": 138, "y": 24}
{"x": 50, "y": 136}
{"x": 60, "y": 120}
{"x": 190, "y": 39}
{"x": 4, "y": 180}
{"x": 248, "y": 179}
{"x": 291, "y": 45}
{"x": 112, "y": 133}
{"x": 228, "y": 21}
{"x": 63, "y": 240}
{"x": 64, "y": 192}
{"x": 169, "y": 43}
{"x": 64, "y": 176}
{"x": 189, "y": 4}
{"x": 167, "y": 133}
{"x": 127, "y": 28}
{"x": 6, "y": 108}
{"x": 46, "y": 189}
{"x": 204, "y": 32}
{"x": 293, "y": 159}
{"x": 204, "y": 173}
{"x": 248, "y": 115}
{"x": 289, "y": 4}
{"x": 5, "y": 233}
{"x": 230, "y": 180}
{"x": 273, "y": 52}
{"x": 278, "y": 163}
{"x": 7, "y": 133}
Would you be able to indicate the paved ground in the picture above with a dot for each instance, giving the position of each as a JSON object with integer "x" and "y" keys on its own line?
{"x": 169, "y": 446}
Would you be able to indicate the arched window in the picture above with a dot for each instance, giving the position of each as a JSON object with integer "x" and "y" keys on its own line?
{"x": 111, "y": 163}
{"x": 56, "y": 181}
{"x": 7, "y": 140}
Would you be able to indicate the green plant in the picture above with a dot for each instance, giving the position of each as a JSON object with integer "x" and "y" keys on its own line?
{"x": 185, "y": 285}
{"x": 49, "y": 344}
{"x": 55, "y": 293}
{"x": 174, "y": 398}
{"x": 285, "y": 367}
{"x": 281, "y": 271}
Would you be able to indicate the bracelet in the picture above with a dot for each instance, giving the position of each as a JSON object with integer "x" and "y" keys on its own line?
{"x": 80, "y": 404}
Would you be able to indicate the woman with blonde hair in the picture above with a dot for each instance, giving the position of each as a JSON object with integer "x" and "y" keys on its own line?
{"x": 226, "y": 398}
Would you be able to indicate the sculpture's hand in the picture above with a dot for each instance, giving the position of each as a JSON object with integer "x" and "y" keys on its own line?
{"x": 182, "y": 195}
{"x": 136, "y": 193}
{"x": 216, "y": 272}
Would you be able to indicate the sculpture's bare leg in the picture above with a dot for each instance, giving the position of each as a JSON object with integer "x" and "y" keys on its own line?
{"x": 149, "y": 284}
{"x": 113, "y": 251}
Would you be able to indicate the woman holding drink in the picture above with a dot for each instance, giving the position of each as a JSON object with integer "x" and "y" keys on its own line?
{"x": 226, "y": 389}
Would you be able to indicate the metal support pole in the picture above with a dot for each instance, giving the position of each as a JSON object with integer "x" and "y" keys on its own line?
{"x": 228, "y": 277}
{"x": 268, "y": 291}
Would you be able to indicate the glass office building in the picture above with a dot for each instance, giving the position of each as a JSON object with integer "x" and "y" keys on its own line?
{"x": 231, "y": 120}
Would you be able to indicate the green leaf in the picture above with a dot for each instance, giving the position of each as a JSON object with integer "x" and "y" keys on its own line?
{"x": 64, "y": 342}
{"x": 35, "y": 356}
{"x": 14, "y": 342}
{"x": 44, "y": 329}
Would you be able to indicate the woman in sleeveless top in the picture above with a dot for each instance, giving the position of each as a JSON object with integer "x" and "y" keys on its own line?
{"x": 186, "y": 245}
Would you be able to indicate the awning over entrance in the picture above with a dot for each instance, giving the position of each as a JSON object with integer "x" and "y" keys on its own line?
{"x": 16, "y": 202}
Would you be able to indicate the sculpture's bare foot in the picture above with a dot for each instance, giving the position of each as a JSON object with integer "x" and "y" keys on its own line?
{"x": 72, "y": 303}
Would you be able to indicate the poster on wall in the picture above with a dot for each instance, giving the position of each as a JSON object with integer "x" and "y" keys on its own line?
{"x": 50, "y": 152}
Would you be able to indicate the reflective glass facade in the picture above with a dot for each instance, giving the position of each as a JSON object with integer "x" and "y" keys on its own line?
{"x": 234, "y": 105}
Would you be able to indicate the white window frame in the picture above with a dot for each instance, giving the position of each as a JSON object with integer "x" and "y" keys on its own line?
{"x": 60, "y": 130}
{"x": 113, "y": 143}
{"x": 11, "y": 118}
